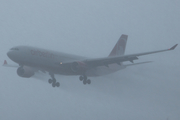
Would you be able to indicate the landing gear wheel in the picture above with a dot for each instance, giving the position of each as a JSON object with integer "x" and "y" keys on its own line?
{"x": 81, "y": 78}
{"x": 54, "y": 84}
{"x": 84, "y": 82}
{"x": 50, "y": 81}
{"x": 89, "y": 81}
{"x": 54, "y": 80}
{"x": 85, "y": 77}
{"x": 57, "y": 84}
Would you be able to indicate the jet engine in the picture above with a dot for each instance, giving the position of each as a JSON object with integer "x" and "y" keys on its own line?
{"x": 25, "y": 71}
{"x": 78, "y": 67}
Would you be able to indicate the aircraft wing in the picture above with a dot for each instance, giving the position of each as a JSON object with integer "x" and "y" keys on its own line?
{"x": 118, "y": 59}
{"x": 7, "y": 65}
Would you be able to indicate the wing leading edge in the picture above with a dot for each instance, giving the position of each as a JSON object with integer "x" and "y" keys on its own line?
{"x": 118, "y": 59}
{"x": 7, "y": 65}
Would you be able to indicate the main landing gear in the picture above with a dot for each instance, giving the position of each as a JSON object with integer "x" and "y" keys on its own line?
{"x": 84, "y": 79}
{"x": 57, "y": 84}
{"x": 53, "y": 81}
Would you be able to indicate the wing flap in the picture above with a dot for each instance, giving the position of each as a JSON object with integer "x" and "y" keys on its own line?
{"x": 109, "y": 60}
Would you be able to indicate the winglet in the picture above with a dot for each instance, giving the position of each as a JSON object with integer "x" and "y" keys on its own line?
{"x": 172, "y": 48}
{"x": 5, "y": 62}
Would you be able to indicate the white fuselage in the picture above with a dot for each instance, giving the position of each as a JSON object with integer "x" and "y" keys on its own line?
{"x": 52, "y": 61}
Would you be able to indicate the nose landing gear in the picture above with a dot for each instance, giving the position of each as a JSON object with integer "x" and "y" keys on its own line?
{"x": 84, "y": 79}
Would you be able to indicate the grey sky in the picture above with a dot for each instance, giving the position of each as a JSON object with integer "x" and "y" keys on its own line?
{"x": 91, "y": 28}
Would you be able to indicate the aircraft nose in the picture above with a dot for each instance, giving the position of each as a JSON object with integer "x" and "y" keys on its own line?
{"x": 13, "y": 55}
{"x": 9, "y": 54}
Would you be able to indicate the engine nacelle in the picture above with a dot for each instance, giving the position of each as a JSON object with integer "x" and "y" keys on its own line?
{"x": 78, "y": 67}
{"x": 25, "y": 71}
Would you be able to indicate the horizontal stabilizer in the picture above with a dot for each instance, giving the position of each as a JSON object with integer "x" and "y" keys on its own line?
{"x": 138, "y": 63}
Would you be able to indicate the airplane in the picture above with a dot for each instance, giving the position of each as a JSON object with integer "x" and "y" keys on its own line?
{"x": 30, "y": 60}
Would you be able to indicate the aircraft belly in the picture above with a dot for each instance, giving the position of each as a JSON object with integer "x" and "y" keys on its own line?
{"x": 49, "y": 65}
{"x": 103, "y": 70}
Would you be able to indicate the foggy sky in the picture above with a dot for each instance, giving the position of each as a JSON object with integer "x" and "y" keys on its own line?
{"x": 91, "y": 28}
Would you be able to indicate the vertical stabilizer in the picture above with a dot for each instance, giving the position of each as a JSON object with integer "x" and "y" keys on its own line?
{"x": 119, "y": 48}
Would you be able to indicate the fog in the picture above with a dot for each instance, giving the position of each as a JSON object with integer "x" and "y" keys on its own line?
{"x": 91, "y": 28}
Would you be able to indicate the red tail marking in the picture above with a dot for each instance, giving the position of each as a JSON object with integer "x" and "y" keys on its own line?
{"x": 120, "y": 46}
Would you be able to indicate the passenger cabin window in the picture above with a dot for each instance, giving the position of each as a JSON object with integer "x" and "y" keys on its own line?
{"x": 14, "y": 49}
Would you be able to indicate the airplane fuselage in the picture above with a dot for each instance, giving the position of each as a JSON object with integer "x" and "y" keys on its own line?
{"x": 53, "y": 61}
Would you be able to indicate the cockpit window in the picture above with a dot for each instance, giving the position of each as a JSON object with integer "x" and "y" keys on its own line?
{"x": 14, "y": 49}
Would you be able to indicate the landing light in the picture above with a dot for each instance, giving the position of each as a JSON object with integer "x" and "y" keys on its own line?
{"x": 61, "y": 63}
